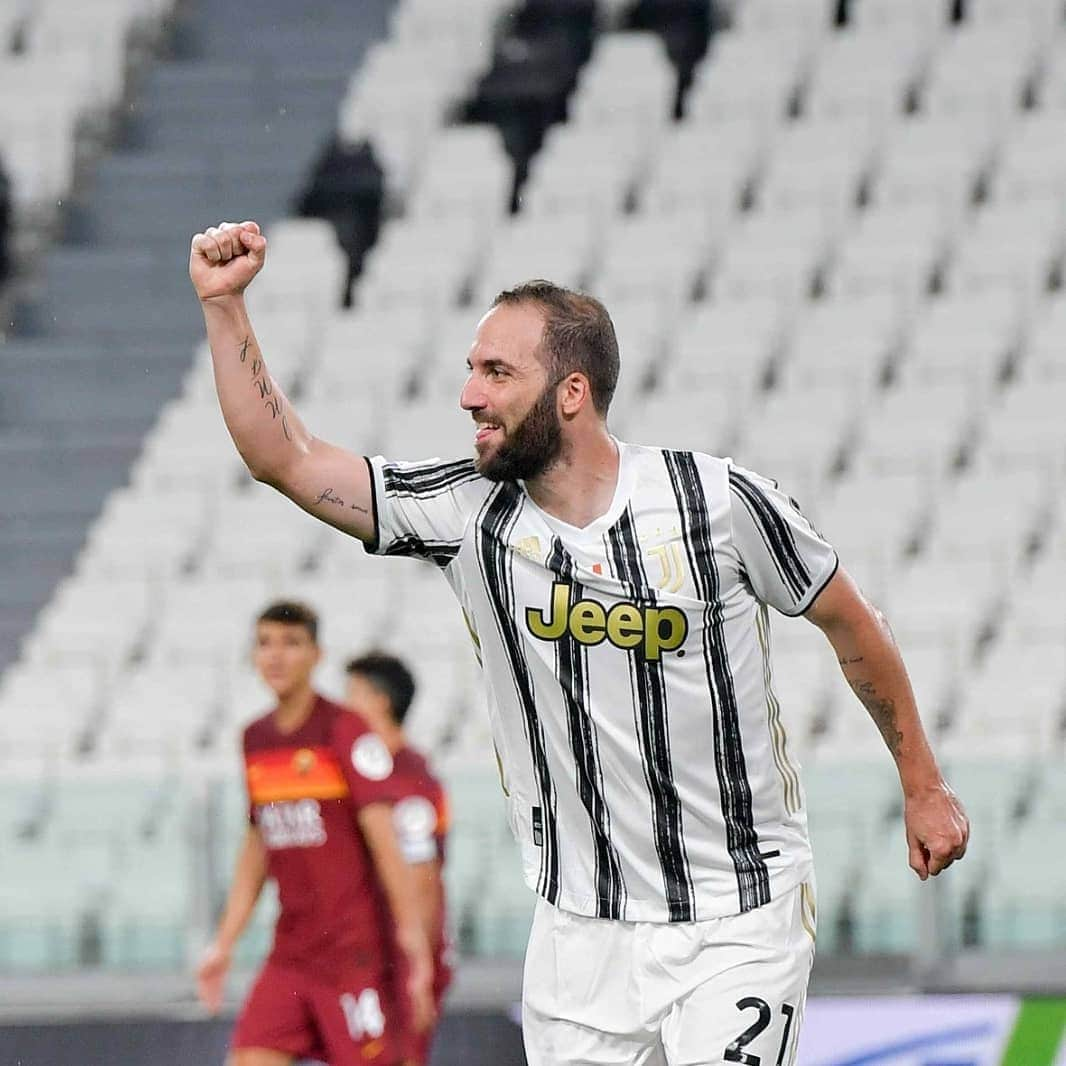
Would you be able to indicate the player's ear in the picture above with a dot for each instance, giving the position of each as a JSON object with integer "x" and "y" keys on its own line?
{"x": 574, "y": 393}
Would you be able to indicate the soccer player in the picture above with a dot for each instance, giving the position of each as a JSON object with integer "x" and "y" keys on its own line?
{"x": 619, "y": 596}
{"x": 381, "y": 688}
{"x": 320, "y": 789}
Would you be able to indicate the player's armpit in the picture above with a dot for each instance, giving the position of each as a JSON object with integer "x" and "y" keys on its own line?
{"x": 333, "y": 485}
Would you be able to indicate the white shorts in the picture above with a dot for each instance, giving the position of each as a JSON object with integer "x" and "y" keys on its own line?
{"x": 728, "y": 990}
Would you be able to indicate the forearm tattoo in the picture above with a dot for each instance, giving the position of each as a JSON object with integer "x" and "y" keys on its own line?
{"x": 329, "y": 496}
{"x": 264, "y": 388}
{"x": 882, "y": 711}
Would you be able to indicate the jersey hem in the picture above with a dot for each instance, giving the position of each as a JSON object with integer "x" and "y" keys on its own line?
{"x": 656, "y": 913}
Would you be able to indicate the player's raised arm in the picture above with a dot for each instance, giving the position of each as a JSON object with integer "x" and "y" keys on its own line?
{"x": 937, "y": 827}
{"x": 327, "y": 481}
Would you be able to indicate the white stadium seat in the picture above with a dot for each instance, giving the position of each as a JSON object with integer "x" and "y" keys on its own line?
{"x": 703, "y": 169}
{"x": 726, "y": 345}
{"x": 871, "y": 74}
{"x": 748, "y": 77}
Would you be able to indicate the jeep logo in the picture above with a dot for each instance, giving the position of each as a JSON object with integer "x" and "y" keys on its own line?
{"x": 625, "y": 625}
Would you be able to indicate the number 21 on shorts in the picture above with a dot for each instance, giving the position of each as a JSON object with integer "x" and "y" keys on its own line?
{"x": 735, "y": 1051}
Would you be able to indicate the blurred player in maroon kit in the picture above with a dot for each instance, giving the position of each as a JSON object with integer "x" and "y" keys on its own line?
{"x": 321, "y": 786}
{"x": 380, "y": 688}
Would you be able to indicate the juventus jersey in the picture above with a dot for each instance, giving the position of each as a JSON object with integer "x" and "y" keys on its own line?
{"x": 647, "y": 771}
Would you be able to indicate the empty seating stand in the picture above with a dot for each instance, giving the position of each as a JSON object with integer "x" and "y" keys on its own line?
{"x": 852, "y": 284}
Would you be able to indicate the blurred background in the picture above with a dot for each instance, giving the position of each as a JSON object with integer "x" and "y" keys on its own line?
{"x": 831, "y": 235}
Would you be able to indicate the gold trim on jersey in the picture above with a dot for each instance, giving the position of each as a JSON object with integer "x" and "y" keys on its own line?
{"x": 808, "y": 911}
{"x": 778, "y": 737}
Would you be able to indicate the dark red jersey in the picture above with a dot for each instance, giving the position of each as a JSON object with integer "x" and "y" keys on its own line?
{"x": 305, "y": 789}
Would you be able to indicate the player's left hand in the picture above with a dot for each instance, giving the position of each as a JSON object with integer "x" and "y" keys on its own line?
{"x": 937, "y": 829}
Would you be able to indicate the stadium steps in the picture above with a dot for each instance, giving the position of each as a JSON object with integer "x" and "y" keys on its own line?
{"x": 227, "y": 125}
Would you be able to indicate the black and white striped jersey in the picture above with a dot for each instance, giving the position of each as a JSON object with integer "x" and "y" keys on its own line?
{"x": 646, "y": 766}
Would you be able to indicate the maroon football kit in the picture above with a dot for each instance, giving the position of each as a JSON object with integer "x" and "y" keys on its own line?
{"x": 328, "y": 989}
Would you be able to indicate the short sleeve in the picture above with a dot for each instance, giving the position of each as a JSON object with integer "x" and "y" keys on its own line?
{"x": 786, "y": 559}
{"x": 415, "y": 818}
{"x": 365, "y": 762}
{"x": 421, "y": 509}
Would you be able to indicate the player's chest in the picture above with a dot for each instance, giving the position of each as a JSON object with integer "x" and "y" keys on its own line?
{"x": 642, "y": 583}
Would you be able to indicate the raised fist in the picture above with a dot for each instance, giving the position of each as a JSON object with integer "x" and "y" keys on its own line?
{"x": 224, "y": 259}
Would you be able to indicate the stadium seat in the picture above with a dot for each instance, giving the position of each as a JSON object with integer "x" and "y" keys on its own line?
{"x": 466, "y": 172}
{"x": 1032, "y": 160}
{"x": 770, "y": 18}
{"x": 821, "y": 163}
{"x": 848, "y": 342}
{"x": 871, "y": 519}
{"x": 955, "y": 340}
{"x": 587, "y": 171}
{"x": 898, "y": 248}
{"x": 1025, "y": 426}
{"x": 1015, "y": 244}
{"x": 966, "y": 526}
{"x": 868, "y": 74}
{"x": 726, "y": 346}
{"x": 421, "y": 262}
{"x": 946, "y": 598}
{"x": 936, "y": 158}
{"x": 1046, "y": 336}
{"x": 798, "y": 435}
{"x": 774, "y": 253}
{"x": 628, "y": 81}
{"x": 368, "y": 353}
{"x": 750, "y": 77}
{"x": 1005, "y": 52}
{"x": 877, "y": 15}
{"x": 698, "y": 418}
{"x": 562, "y": 249}
{"x": 703, "y": 169}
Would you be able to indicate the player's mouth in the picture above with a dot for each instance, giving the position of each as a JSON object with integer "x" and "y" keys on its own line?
{"x": 484, "y": 431}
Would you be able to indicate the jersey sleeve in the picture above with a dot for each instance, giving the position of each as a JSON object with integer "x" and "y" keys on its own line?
{"x": 421, "y": 509}
{"x": 365, "y": 762}
{"x": 786, "y": 559}
{"x": 415, "y": 818}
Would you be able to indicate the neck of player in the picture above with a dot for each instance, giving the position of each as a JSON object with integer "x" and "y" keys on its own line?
{"x": 294, "y": 708}
{"x": 579, "y": 486}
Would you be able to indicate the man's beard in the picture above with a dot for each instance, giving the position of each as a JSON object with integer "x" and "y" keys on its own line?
{"x": 533, "y": 445}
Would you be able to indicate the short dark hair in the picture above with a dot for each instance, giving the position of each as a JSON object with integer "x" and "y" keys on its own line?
{"x": 389, "y": 676}
{"x": 292, "y": 613}
{"x": 578, "y": 335}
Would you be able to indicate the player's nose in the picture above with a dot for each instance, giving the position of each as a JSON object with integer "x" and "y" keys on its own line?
{"x": 472, "y": 398}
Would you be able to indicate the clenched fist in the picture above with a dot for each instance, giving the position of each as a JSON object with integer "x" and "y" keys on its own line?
{"x": 224, "y": 259}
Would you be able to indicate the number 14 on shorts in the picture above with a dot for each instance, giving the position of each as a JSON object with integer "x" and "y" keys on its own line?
{"x": 735, "y": 1051}
{"x": 363, "y": 1014}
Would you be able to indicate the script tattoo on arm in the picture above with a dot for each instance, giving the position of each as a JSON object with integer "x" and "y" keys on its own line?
{"x": 882, "y": 711}
{"x": 329, "y": 496}
{"x": 264, "y": 387}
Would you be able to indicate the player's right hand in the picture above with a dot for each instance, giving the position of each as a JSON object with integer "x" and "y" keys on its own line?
{"x": 224, "y": 259}
{"x": 211, "y": 976}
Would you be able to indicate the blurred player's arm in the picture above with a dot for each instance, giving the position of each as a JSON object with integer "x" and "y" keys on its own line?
{"x": 249, "y": 876}
{"x": 375, "y": 821}
{"x": 937, "y": 827}
{"x": 327, "y": 481}
{"x": 429, "y": 896}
